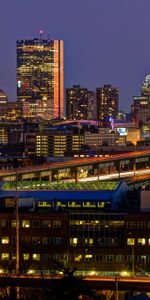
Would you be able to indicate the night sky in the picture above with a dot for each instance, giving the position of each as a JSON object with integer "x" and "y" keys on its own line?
{"x": 106, "y": 41}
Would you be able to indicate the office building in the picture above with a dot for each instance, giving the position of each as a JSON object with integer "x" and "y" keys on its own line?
{"x": 40, "y": 77}
{"x": 107, "y": 102}
{"x": 97, "y": 227}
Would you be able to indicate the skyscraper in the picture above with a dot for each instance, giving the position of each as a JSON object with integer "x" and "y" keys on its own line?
{"x": 107, "y": 101}
{"x": 40, "y": 75}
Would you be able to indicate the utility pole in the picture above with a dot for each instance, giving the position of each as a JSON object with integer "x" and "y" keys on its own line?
{"x": 132, "y": 260}
{"x": 116, "y": 287}
{"x": 17, "y": 226}
{"x": 17, "y": 236}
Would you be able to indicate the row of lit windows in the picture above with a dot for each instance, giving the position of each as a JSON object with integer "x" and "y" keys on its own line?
{"x": 138, "y": 241}
{"x": 96, "y": 242}
{"x": 74, "y": 204}
{"x": 33, "y": 223}
{"x": 74, "y": 241}
{"x": 111, "y": 223}
{"x": 5, "y": 240}
{"x": 34, "y": 256}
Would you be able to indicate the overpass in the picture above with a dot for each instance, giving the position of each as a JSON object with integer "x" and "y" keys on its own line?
{"x": 80, "y": 168}
{"x": 138, "y": 181}
{"x": 94, "y": 282}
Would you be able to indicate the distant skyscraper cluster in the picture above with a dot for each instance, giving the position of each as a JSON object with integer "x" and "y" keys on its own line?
{"x": 40, "y": 86}
{"x": 41, "y": 95}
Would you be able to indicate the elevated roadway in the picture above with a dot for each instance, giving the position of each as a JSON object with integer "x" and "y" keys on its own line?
{"x": 81, "y": 167}
{"x": 94, "y": 282}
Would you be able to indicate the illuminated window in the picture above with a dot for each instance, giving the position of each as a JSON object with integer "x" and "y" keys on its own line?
{"x": 73, "y": 241}
{"x": 141, "y": 258}
{"x": 13, "y": 256}
{"x": 88, "y": 257}
{"x": 5, "y": 240}
{"x": 130, "y": 242}
{"x": 5, "y": 256}
{"x": 89, "y": 242}
{"x": 26, "y": 256}
{"x": 36, "y": 256}
{"x": 78, "y": 258}
{"x": 25, "y": 223}
{"x": 141, "y": 241}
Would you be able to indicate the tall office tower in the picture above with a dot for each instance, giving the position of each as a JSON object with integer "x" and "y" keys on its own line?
{"x": 40, "y": 77}
{"x": 78, "y": 100}
{"x": 107, "y": 101}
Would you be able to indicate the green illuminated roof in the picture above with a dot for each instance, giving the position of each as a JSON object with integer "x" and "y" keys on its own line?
{"x": 45, "y": 185}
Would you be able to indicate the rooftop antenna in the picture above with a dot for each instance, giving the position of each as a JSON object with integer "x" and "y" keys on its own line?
{"x": 41, "y": 34}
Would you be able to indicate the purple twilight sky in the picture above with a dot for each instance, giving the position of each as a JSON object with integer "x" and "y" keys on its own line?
{"x": 106, "y": 41}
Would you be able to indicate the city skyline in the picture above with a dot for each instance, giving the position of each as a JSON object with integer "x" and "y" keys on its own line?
{"x": 102, "y": 43}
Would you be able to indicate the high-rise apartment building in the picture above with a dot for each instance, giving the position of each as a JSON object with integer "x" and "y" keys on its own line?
{"x": 107, "y": 101}
{"x": 40, "y": 76}
{"x": 79, "y": 103}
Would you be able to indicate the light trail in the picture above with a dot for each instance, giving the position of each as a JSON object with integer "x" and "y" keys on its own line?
{"x": 116, "y": 175}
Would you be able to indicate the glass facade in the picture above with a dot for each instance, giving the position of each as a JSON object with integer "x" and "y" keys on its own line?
{"x": 40, "y": 76}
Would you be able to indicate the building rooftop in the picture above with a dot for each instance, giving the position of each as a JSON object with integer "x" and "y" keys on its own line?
{"x": 63, "y": 186}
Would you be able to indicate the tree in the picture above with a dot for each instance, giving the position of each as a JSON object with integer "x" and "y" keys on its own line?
{"x": 70, "y": 286}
